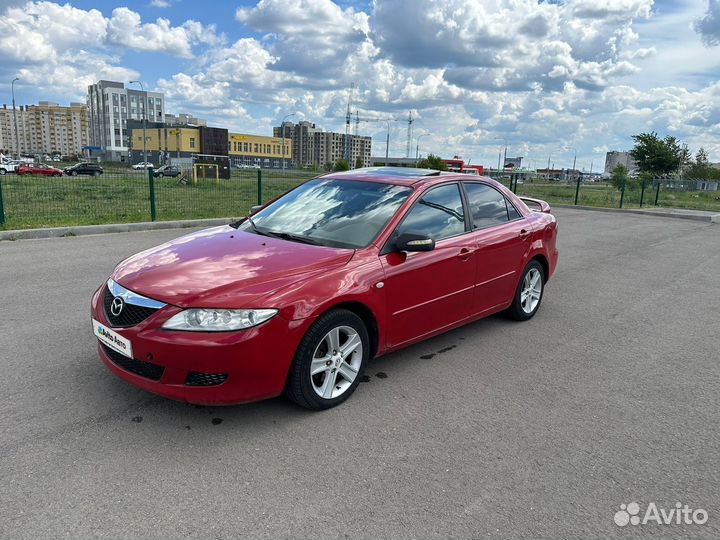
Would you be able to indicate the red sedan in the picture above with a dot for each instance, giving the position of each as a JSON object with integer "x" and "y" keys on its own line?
{"x": 298, "y": 297}
{"x": 37, "y": 169}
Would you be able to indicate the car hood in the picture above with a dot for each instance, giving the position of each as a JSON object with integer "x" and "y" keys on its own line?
{"x": 224, "y": 267}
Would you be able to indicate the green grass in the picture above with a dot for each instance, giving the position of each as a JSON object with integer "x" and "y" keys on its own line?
{"x": 604, "y": 195}
{"x": 124, "y": 197}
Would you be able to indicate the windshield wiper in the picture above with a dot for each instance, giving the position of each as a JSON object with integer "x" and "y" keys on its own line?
{"x": 293, "y": 237}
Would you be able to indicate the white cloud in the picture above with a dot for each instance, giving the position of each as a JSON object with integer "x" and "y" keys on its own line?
{"x": 709, "y": 25}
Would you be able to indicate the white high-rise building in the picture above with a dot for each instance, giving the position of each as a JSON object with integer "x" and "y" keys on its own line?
{"x": 110, "y": 106}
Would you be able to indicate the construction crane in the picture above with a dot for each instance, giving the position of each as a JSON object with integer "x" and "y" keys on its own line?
{"x": 409, "y": 135}
{"x": 359, "y": 119}
{"x": 348, "y": 116}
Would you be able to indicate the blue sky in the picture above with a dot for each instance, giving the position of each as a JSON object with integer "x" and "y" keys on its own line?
{"x": 548, "y": 78}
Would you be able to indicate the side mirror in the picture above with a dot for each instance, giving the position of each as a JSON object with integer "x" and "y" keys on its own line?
{"x": 256, "y": 208}
{"x": 414, "y": 242}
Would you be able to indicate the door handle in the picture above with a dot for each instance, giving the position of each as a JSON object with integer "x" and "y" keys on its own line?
{"x": 465, "y": 254}
{"x": 524, "y": 234}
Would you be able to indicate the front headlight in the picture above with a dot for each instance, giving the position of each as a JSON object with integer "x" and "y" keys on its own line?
{"x": 218, "y": 320}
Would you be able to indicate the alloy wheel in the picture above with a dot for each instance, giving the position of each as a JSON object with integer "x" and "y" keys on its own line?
{"x": 336, "y": 362}
{"x": 531, "y": 291}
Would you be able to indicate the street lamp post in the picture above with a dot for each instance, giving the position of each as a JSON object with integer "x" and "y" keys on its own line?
{"x": 144, "y": 123}
{"x": 387, "y": 142}
{"x": 282, "y": 127}
{"x": 17, "y": 134}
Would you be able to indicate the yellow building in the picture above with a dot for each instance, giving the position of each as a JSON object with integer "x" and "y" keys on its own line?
{"x": 258, "y": 150}
{"x": 184, "y": 142}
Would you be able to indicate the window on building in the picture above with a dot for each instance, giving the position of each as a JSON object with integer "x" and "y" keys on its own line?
{"x": 192, "y": 142}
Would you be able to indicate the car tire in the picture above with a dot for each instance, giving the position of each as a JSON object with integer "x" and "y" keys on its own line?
{"x": 3, "y": 172}
{"x": 330, "y": 385}
{"x": 74, "y": 173}
{"x": 56, "y": 175}
{"x": 529, "y": 293}
{"x": 159, "y": 175}
{"x": 96, "y": 173}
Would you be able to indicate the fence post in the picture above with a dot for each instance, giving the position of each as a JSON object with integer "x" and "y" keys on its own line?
{"x": 153, "y": 207}
{"x": 622, "y": 192}
{"x": 657, "y": 193}
{"x": 259, "y": 186}
{"x": 577, "y": 190}
{"x": 642, "y": 192}
{"x": 2, "y": 205}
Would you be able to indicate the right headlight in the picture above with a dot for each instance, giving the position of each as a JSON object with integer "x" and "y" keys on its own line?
{"x": 218, "y": 320}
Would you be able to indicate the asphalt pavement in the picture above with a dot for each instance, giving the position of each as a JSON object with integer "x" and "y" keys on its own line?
{"x": 543, "y": 429}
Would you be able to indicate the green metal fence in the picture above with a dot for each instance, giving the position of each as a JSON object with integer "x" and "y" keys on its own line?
{"x": 672, "y": 194}
{"x": 127, "y": 195}
{"x": 124, "y": 195}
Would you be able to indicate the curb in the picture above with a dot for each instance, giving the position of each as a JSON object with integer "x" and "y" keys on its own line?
{"x": 83, "y": 230}
{"x": 675, "y": 213}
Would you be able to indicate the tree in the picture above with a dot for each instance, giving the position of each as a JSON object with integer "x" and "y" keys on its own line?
{"x": 701, "y": 169}
{"x": 432, "y": 162}
{"x": 656, "y": 156}
{"x": 619, "y": 177}
{"x": 341, "y": 165}
{"x": 359, "y": 163}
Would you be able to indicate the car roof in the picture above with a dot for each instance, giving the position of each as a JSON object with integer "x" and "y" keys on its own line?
{"x": 404, "y": 176}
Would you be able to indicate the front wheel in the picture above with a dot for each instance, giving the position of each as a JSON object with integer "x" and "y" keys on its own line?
{"x": 329, "y": 361}
{"x": 74, "y": 173}
{"x": 158, "y": 175}
{"x": 529, "y": 292}
{"x": 3, "y": 172}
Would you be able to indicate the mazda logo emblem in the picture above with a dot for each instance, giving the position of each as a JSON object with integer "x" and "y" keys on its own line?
{"x": 117, "y": 306}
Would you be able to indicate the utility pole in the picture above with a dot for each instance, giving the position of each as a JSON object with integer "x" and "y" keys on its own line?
{"x": 144, "y": 119}
{"x": 17, "y": 134}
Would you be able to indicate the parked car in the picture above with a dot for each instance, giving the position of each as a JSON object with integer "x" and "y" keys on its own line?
{"x": 143, "y": 165}
{"x": 298, "y": 296}
{"x": 40, "y": 169}
{"x": 167, "y": 170}
{"x": 91, "y": 169}
{"x": 10, "y": 166}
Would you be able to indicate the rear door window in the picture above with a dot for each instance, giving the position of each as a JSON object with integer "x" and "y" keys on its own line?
{"x": 488, "y": 206}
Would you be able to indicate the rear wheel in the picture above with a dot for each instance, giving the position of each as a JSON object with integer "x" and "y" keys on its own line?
{"x": 329, "y": 361}
{"x": 529, "y": 292}
{"x": 56, "y": 174}
{"x": 3, "y": 172}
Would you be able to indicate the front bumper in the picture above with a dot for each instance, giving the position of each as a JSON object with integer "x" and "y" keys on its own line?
{"x": 204, "y": 368}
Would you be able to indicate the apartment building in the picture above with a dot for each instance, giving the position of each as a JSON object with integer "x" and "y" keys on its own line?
{"x": 110, "y": 105}
{"x": 615, "y": 158}
{"x": 313, "y": 147}
{"x": 330, "y": 147}
{"x": 46, "y": 128}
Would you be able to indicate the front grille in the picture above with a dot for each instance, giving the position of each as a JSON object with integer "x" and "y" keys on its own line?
{"x": 200, "y": 378}
{"x": 130, "y": 314}
{"x": 144, "y": 369}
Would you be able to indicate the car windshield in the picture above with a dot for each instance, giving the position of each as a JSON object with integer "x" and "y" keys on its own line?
{"x": 338, "y": 213}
